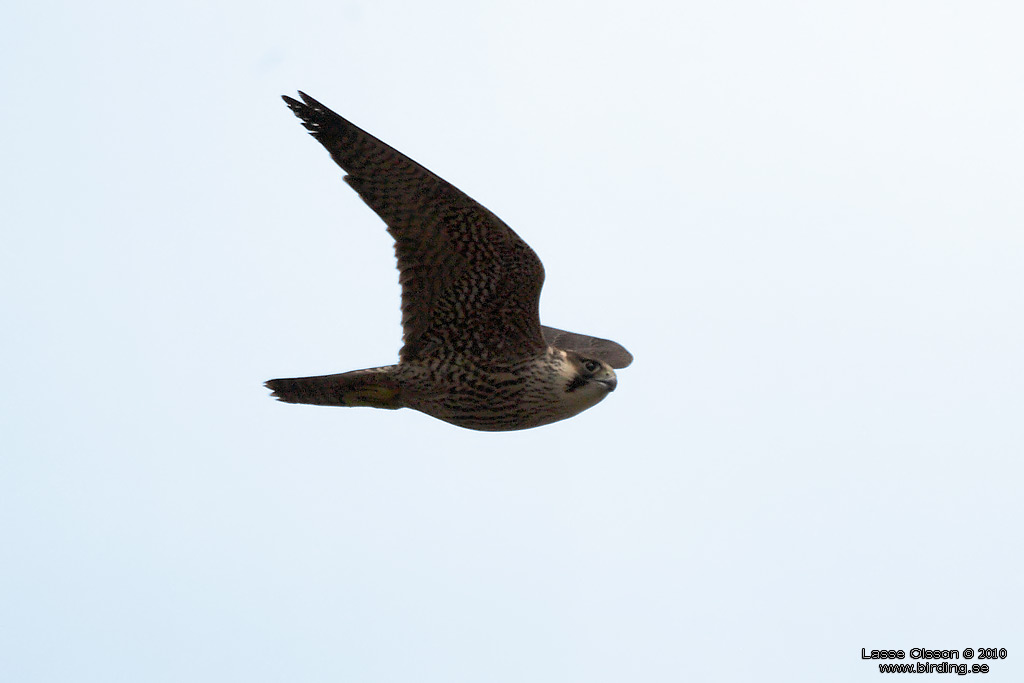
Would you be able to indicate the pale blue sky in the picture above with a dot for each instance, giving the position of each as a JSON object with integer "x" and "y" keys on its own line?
{"x": 804, "y": 220}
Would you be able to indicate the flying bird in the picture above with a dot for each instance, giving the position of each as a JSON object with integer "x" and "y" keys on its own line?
{"x": 474, "y": 353}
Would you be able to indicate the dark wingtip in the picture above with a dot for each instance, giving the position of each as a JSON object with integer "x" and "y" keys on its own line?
{"x": 270, "y": 384}
{"x": 309, "y": 100}
{"x": 309, "y": 111}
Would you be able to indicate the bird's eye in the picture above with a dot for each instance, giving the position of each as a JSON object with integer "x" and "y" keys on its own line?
{"x": 591, "y": 365}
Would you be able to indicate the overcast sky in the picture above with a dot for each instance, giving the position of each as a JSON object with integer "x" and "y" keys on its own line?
{"x": 803, "y": 218}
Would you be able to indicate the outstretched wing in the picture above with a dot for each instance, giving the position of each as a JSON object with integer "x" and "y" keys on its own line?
{"x": 589, "y": 347}
{"x": 469, "y": 283}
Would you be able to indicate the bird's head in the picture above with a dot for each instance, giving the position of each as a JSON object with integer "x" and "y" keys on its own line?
{"x": 588, "y": 379}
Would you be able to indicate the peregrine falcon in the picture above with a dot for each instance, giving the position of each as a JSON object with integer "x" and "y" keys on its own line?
{"x": 474, "y": 353}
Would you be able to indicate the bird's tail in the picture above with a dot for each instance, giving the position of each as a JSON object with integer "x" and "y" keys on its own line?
{"x": 373, "y": 387}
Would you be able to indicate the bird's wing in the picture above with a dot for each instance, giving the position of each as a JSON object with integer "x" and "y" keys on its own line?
{"x": 589, "y": 347}
{"x": 469, "y": 283}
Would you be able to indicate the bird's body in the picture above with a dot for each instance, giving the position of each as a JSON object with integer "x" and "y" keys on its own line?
{"x": 474, "y": 353}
